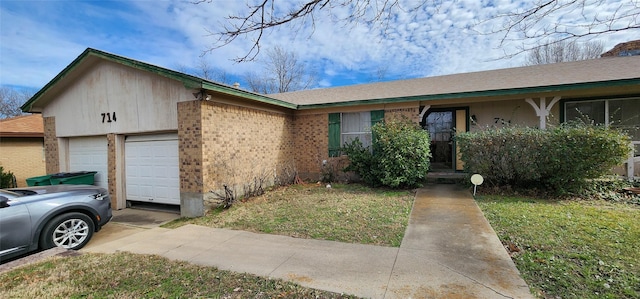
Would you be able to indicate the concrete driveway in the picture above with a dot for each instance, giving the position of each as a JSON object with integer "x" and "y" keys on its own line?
{"x": 129, "y": 222}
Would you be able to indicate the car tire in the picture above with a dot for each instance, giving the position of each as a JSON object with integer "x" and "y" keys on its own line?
{"x": 70, "y": 231}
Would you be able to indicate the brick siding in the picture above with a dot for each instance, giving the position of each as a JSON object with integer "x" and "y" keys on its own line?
{"x": 52, "y": 156}
{"x": 312, "y": 144}
{"x": 24, "y": 157}
{"x": 111, "y": 169}
{"x": 242, "y": 144}
{"x": 190, "y": 146}
{"x": 410, "y": 113}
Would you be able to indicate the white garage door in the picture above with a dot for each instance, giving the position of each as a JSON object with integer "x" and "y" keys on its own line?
{"x": 152, "y": 173}
{"x": 89, "y": 154}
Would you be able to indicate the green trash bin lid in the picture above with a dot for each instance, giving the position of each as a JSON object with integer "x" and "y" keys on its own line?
{"x": 39, "y": 180}
{"x": 74, "y": 178}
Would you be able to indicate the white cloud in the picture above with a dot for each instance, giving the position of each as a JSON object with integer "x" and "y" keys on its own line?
{"x": 38, "y": 41}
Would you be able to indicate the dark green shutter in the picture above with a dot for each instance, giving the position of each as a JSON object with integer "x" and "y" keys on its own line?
{"x": 334, "y": 134}
{"x": 376, "y": 117}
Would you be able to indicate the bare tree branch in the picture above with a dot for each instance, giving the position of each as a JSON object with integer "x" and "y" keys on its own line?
{"x": 564, "y": 51}
{"x": 205, "y": 70}
{"x": 11, "y": 100}
{"x": 283, "y": 72}
{"x": 533, "y": 27}
{"x": 262, "y": 16}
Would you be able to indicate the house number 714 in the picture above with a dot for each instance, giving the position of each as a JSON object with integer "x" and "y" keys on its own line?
{"x": 108, "y": 117}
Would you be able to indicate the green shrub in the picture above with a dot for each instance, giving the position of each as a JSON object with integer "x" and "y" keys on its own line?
{"x": 578, "y": 152}
{"x": 362, "y": 162}
{"x": 559, "y": 159}
{"x": 6, "y": 179}
{"x": 399, "y": 156}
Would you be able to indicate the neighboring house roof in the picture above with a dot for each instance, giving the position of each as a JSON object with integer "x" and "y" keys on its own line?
{"x": 22, "y": 126}
{"x": 520, "y": 80}
{"x": 630, "y": 48}
{"x": 90, "y": 56}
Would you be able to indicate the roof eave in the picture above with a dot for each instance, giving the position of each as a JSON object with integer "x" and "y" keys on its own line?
{"x": 212, "y": 86}
{"x": 22, "y": 134}
{"x": 477, "y": 94}
{"x": 188, "y": 81}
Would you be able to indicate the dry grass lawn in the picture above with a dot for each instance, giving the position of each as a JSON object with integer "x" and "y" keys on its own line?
{"x": 346, "y": 213}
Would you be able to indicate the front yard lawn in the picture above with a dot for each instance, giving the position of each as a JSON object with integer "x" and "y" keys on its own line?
{"x": 347, "y": 213}
{"x": 570, "y": 249}
{"x": 127, "y": 275}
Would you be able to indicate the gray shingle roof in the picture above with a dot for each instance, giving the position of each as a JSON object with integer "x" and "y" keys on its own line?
{"x": 595, "y": 70}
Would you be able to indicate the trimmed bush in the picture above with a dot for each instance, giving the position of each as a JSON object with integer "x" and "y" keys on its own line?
{"x": 399, "y": 156}
{"x": 6, "y": 179}
{"x": 560, "y": 158}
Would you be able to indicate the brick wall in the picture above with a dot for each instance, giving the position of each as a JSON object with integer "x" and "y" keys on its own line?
{"x": 190, "y": 146}
{"x": 410, "y": 113}
{"x": 312, "y": 143}
{"x": 241, "y": 144}
{"x": 111, "y": 169}
{"x": 24, "y": 157}
{"x": 52, "y": 156}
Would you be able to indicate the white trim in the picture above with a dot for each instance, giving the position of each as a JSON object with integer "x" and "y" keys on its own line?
{"x": 631, "y": 162}
{"x": 121, "y": 185}
{"x": 152, "y": 137}
{"x": 424, "y": 111}
{"x": 543, "y": 110}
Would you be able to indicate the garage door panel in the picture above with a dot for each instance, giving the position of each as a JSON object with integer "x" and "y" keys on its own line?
{"x": 152, "y": 173}
{"x": 89, "y": 154}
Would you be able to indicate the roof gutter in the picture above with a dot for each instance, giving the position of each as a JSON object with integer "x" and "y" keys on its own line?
{"x": 212, "y": 86}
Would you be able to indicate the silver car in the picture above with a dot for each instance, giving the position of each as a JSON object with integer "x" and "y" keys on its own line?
{"x": 43, "y": 217}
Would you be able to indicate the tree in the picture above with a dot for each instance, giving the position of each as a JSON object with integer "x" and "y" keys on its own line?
{"x": 531, "y": 25}
{"x": 563, "y": 51}
{"x": 283, "y": 72}
{"x": 12, "y": 99}
{"x": 205, "y": 70}
{"x": 535, "y": 31}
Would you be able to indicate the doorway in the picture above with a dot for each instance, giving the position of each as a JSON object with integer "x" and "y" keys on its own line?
{"x": 442, "y": 124}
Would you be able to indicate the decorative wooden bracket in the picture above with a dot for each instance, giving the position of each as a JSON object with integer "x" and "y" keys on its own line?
{"x": 424, "y": 111}
{"x": 543, "y": 110}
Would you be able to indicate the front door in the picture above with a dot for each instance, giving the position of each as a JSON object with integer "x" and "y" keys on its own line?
{"x": 442, "y": 125}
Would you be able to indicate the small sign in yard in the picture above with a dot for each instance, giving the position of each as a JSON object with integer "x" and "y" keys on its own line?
{"x": 476, "y": 180}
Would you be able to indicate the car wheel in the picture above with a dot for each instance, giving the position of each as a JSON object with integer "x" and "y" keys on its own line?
{"x": 71, "y": 231}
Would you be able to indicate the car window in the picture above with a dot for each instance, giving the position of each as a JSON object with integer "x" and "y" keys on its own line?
{"x": 8, "y": 194}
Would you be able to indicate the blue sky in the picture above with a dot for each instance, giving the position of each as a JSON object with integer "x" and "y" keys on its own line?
{"x": 39, "y": 38}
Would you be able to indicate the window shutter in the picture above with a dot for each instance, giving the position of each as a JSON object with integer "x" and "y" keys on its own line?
{"x": 376, "y": 117}
{"x": 334, "y": 134}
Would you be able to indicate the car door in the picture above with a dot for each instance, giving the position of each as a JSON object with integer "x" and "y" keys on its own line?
{"x": 15, "y": 227}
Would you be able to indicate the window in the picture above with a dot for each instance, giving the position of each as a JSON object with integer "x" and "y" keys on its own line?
{"x": 356, "y": 126}
{"x": 587, "y": 112}
{"x": 440, "y": 125}
{"x": 346, "y": 127}
{"x": 618, "y": 113}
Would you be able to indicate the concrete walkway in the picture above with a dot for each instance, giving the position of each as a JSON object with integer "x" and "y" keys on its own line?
{"x": 449, "y": 251}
